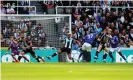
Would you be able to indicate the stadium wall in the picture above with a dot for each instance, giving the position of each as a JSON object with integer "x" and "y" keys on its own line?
{"x": 128, "y": 53}
{"x": 41, "y": 52}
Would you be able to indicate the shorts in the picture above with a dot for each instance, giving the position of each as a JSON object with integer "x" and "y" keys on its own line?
{"x": 86, "y": 56}
{"x": 86, "y": 47}
{"x": 15, "y": 52}
{"x": 29, "y": 50}
{"x": 115, "y": 49}
{"x": 64, "y": 49}
{"x": 103, "y": 45}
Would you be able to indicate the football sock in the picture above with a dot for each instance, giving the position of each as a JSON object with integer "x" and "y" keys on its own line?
{"x": 97, "y": 54}
{"x": 104, "y": 56}
{"x": 80, "y": 55}
{"x": 110, "y": 54}
{"x": 19, "y": 58}
{"x": 25, "y": 58}
{"x": 37, "y": 59}
{"x": 54, "y": 54}
{"x": 122, "y": 55}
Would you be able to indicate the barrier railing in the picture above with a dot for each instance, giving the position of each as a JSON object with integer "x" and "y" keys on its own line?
{"x": 96, "y": 7}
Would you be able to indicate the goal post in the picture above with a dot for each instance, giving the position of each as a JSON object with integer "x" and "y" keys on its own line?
{"x": 35, "y": 27}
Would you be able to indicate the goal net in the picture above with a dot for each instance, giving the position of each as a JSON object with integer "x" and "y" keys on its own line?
{"x": 43, "y": 30}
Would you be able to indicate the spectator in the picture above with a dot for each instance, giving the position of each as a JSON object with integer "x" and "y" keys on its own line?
{"x": 131, "y": 34}
{"x": 78, "y": 22}
{"x": 31, "y": 11}
{"x": 75, "y": 46}
{"x": 29, "y": 38}
{"x": 131, "y": 23}
{"x": 127, "y": 40}
{"x": 99, "y": 18}
{"x": 3, "y": 10}
{"x": 33, "y": 33}
{"x": 2, "y": 40}
{"x": 10, "y": 10}
{"x": 29, "y": 27}
{"x": 22, "y": 25}
{"x": 76, "y": 34}
{"x": 16, "y": 34}
{"x": 122, "y": 19}
{"x": 86, "y": 23}
{"x": 121, "y": 44}
{"x": 25, "y": 11}
{"x": 8, "y": 33}
{"x": 42, "y": 37}
{"x": 38, "y": 28}
{"x": 76, "y": 15}
{"x": 24, "y": 3}
{"x": 98, "y": 29}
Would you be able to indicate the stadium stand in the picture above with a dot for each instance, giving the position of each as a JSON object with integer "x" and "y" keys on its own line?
{"x": 120, "y": 20}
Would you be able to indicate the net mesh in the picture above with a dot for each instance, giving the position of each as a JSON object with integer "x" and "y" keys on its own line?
{"x": 42, "y": 30}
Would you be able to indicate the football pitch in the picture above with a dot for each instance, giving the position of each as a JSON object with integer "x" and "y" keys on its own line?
{"x": 66, "y": 71}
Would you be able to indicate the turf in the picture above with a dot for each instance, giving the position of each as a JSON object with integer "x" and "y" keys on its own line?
{"x": 66, "y": 71}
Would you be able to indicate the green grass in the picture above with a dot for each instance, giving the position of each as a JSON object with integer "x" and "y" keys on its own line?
{"x": 66, "y": 71}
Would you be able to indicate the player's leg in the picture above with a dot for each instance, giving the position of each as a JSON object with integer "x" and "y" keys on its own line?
{"x": 80, "y": 55}
{"x": 120, "y": 53}
{"x": 98, "y": 51}
{"x": 13, "y": 56}
{"x": 81, "y": 51}
{"x": 86, "y": 52}
{"x": 86, "y": 56}
{"x": 21, "y": 55}
{"x": 33, "y": 54}
{"x": 54, "y": 54}
{"x": 111, "y": 51}
{"x": 68, "y": 51}
{"x": 105, "y": 54}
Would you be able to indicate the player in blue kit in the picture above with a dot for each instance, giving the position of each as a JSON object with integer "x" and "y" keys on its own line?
{"x": 115, "y": 47}
{"x": 86, "y": 47}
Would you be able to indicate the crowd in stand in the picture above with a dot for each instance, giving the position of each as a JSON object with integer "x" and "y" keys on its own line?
{"x": 27, "y": 29}
{"x": 85, "y": 20}
{"x": 11, "y": 7}
{"x": 88, "y": 20}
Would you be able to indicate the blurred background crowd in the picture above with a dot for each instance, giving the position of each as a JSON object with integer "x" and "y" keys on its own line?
{"x": 94, "y": 18}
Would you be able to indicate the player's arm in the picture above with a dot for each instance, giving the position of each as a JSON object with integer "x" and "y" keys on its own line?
{"x": 98, "y": 37}
{"x": 9, "y": 48}
{"x": 78, "y": 42}
{"x": 31, "y": 45}
{"x": 130, "y": 43}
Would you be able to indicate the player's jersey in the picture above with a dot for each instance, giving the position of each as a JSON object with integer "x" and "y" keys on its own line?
{"x": 25, "y": 43}
{"x": 14, "y": 47}
{"x": 89, "y": 38}
{"x": 105, "y": 38}
{"x": 68, "y": 43}
{"x": 114, "y": 42}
